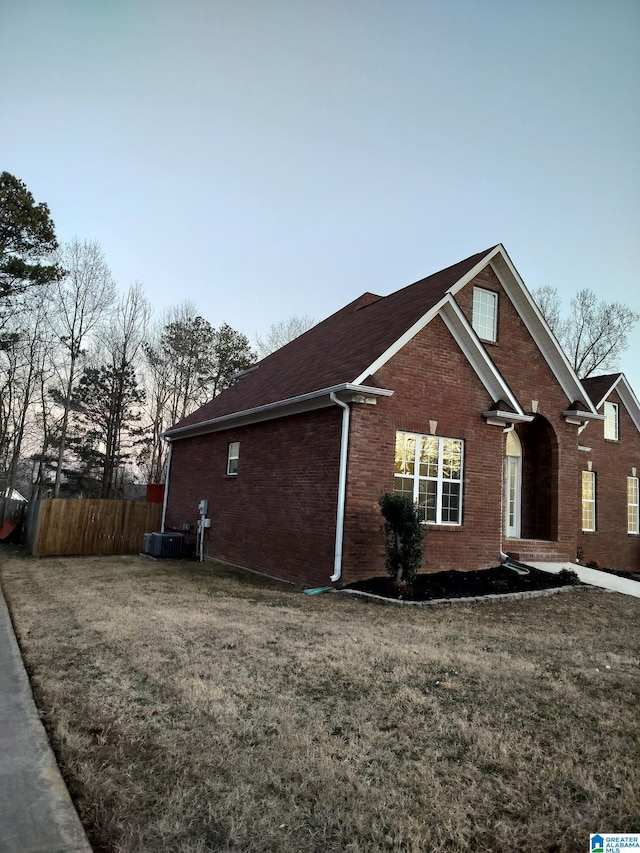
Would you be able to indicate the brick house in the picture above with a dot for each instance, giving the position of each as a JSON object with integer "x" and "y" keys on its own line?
{"x": 459, "y": 371}
{"x": 610, "y": 465}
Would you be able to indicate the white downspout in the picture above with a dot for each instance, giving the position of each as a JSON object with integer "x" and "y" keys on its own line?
{"x": 342, "y": 486}
{"x": 166, "y": 487}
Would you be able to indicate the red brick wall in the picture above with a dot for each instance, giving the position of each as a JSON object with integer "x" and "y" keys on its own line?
{"x": 612, "y": 461}
{"x": 277, "y": 516}
{"x": 530, "y": 378}
{"x": 432, "y": 380}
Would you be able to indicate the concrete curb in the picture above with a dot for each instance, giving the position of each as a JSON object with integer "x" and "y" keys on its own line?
{"x": 36, "y": 811}
{"x": 480, "y": 599}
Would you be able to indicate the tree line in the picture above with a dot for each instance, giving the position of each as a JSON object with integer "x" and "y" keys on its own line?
{"x": 89, "y": 380}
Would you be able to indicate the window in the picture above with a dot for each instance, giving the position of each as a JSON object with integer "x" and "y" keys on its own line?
{"x": 232, "y": 459}
{"x": 588, "y": 500}
{"x": 633, "y": 515}
{"x": 428, "y": 469}
{"x": 485, "y": 313}
{"x": 611, "y": 421}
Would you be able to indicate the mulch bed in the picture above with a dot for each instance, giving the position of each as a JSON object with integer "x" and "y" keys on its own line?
{"x": 460, "y": 584}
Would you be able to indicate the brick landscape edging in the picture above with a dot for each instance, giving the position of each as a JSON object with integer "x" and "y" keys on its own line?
{"x": 480, "y": 599}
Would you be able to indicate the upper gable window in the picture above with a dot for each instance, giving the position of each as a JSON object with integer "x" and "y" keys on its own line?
{"x": 485, "y": 314}
{"x": 611, "y": 421}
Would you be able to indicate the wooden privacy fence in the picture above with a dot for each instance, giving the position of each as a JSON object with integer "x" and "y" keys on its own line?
{"x": 60, "y": 526}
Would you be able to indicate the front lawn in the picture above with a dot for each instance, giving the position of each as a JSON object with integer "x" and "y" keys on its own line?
{"x": 197, "y": 709}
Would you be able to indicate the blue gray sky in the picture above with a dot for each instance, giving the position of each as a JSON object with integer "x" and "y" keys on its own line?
{"x": 265, "y": 158}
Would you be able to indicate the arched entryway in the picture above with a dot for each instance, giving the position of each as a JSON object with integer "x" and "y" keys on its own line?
{"x": 531, "y": 481}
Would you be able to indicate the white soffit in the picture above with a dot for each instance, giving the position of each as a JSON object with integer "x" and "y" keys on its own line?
{"x": 625, "y": 392}
{"x": 538, "y": 328}
{"x": 476, "y": 354}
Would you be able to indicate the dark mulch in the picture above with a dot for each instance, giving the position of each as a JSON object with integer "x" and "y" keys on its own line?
{"x": 459, "y": 584}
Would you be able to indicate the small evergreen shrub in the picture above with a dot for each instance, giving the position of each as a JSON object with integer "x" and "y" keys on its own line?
{"x": 568, "y": 576}
{"x": 403, "y": 537}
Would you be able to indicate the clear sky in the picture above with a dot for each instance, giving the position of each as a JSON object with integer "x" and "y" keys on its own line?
{"x": 265, "y": 158}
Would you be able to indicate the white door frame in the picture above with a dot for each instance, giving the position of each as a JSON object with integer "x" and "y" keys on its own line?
{"x": 513, "y": 487}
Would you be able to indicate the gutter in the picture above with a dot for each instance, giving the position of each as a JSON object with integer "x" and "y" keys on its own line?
{"x": 166, "y": 488}
{"x": 342, "y": 486}
{"x": 280, "y": 408}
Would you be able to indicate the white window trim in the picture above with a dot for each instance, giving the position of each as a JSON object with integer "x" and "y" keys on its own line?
{"x": 591, "y": 501}
{"x": 616, "y": 421}
{"x": 439, "y": 480}
{"x": 493, "y": 337}
{"x": 633, "y": 525}
{"x": 233, "y": 458}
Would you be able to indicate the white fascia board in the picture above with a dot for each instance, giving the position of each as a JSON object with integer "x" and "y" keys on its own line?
{"x": 625, "y": 392}
{"x": 350, "y": 391}
{"x": 608, "y": 391}
{"x": 577, "y": 416}
{"x": 538, "y": 328}
{"x": 494, "y": 417}
{"x": 476, "y": 354}
{"x": 395, "y": 348}
{"x": 476, "y": 270}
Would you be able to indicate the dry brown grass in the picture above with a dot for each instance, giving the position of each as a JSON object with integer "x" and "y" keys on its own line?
{"x": 194, "y": 708}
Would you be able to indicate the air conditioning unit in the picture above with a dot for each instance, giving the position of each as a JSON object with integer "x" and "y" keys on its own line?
{"x": 163, "y": 544}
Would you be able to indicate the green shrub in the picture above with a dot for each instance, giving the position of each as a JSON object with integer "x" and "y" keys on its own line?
{"x": 568, "y": 576}
{"x": 403, "y": 537}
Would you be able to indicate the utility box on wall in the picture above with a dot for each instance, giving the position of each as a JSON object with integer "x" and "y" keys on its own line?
{"x": 163, "y": 544}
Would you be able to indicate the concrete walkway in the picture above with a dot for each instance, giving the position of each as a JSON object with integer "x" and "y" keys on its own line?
{"x": 36, "y": 812}
{"x": 594, "y": 577}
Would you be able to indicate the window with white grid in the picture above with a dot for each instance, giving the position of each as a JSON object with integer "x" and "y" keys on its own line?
{"x": 485, "y": 314}
{"x": 611, "y": 421}
{"x": 428, "y": 469}
{"x": 233, "y": 457}
{"x": 633, "y": 510}
{"x": 588, "y": 500}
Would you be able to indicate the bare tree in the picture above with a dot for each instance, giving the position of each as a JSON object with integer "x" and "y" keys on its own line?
{"x": 595, "y": 333}
{"x": 121, "y": 347}
{"x": 80, "y": 301}
{"x": 548, "y": 300}
{"x": 188, "y": 362}
{"x": 281, "y": 333}
{"x": 24, "y": 362}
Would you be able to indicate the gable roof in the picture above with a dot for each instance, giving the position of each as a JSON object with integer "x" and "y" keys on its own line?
{"x": 335, "y": 351}
{"x": 600, "y": 387}
{"x": 346, "y": 350}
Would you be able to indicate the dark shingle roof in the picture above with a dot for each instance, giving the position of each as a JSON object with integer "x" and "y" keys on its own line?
{"x": 338, "y": 349}
{"x": 597, "y": 386}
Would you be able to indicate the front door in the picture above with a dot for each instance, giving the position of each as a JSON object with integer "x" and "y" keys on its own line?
{"x": 513, "y": 485}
